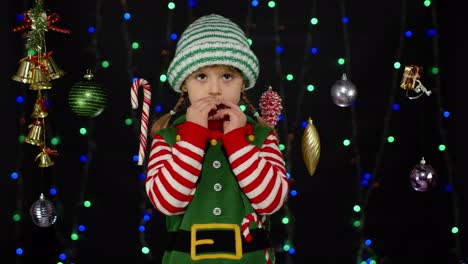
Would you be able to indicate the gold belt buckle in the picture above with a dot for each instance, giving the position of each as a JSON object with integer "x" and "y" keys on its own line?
{"x": 194, "y": 242}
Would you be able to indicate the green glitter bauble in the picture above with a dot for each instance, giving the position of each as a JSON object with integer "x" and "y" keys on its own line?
{"x": 87, "y": 98}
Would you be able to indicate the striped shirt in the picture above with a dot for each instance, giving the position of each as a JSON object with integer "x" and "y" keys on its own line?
{"x": 173, "y": 172}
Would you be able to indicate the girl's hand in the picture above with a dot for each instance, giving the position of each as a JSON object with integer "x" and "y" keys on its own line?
{"x": 236, "y": 118}
{"x": 199, "y": 110}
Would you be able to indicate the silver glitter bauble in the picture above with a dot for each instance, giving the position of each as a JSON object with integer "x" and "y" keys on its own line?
{"x": 343, "y": 92}
{"x": 43, "y": 212}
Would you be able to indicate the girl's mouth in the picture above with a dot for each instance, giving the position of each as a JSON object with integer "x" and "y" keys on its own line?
{"x": 218, "y": 107}
{"x": 213, "y": 112}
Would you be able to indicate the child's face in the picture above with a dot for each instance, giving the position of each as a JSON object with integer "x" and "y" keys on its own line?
{"x": 220, "y": 81}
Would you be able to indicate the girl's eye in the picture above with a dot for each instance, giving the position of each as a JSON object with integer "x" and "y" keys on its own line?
{"x": 201, "y": 76}
{"x": 227, "y": 76}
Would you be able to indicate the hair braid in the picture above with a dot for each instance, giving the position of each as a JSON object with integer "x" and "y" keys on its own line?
{"x": 164, "y": 120}
{"x": 252, "y": 109}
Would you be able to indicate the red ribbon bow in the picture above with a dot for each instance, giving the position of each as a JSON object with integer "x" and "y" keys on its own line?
{"x": 49, "y": 151}
{"x": 51, "y": 19}
{"x": 34, "y": 59}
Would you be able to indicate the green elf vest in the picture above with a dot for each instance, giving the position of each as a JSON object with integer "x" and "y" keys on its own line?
{"x": 218, "y": 207}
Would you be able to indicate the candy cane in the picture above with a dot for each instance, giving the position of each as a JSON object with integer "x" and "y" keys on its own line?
{"x": 245, "y": 225}
{"x": 144, "y": 115}
{"x": 246, "y": 231}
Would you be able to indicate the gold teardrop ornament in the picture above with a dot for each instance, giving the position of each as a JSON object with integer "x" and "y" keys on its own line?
{"x": 311, "y": 147}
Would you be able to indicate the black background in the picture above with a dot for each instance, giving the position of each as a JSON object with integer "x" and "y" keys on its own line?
{"x": 405, "y": 226}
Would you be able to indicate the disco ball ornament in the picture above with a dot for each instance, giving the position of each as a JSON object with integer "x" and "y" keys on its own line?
{"x": 423, "y": 177}
{"x": 43, "y": 212}
{"x": 343, "y": 92}
{"x": 87, "y": 98}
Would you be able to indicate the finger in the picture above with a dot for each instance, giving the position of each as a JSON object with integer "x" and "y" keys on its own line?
{"x": 205, "y": 104}
{"x": 236, "y": 117}
{"x": 230, "y": 104}
{"x": 221, "y": 113}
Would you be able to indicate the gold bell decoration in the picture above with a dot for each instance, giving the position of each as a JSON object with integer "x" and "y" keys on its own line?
{"x": 39, "y": 109}
{"x": 25, "y": 71}
{"x": 311, "y": 147}
{"x": 38, "y": 68}
{"x": 54, "y": 72}
{"x": 44, "y": 158}
{"x": 36, "y": 133}
{"x": 38, "y": 22}
{"x": 411, "y": 82}
{"x": 40, "y": 79}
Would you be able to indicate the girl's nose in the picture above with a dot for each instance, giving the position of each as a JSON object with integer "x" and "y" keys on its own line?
{"x": 214, "y": 89}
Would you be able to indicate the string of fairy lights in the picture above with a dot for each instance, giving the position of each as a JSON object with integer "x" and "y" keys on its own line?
{"x": 370, "y": 182}
{"x": 352, "y": 109}
{"x": 146, "y": 213}
{"x": 86, "y": 119}
{"x": 309, "y": 50}
{"x": 287, "y": 148}
{"x": 441, "y": 114}
{"x": 17, "y": 174}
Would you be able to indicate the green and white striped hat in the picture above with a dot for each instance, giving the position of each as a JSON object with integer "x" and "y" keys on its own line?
{"x": 212, "y": 40}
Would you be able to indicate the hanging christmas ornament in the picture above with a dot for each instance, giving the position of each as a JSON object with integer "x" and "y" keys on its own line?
{"x": 411, "y": 82}
{"x": 39, "y": 22}
{"x": 40, "y": 79}
{"x": 44, "y": 158}
{"x": 39, "y": 109}
{"x": 37, "y": 19}
{"x": 343, "y": 92}
{"x": 41, "y": 66}
{"x": 43, "y": 212}
{"x": 24, "y": 74}
{"x": 423, "y": 177}
{"x": 311, "y": 147}
{"x": 270, "y": 105}
{"x": 53, "y": 71}
{"x": 35, "y": 134}
{"x": 87, "y": 98}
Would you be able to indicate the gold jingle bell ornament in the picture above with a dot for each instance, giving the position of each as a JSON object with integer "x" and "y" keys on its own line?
{"x": 44, "y": 158}
{"x": 53, "y": 71}
{"x": 311, "y": 147}
{"x": 35, "y": 134}
{"x": 411, "y": 82}
{"x": 40, "y": 79}
{"x": 25, "y": 71}
{"x": 39, "y": 109}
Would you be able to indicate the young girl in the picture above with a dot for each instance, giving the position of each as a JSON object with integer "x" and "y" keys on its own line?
{"x": 215, "y": 172}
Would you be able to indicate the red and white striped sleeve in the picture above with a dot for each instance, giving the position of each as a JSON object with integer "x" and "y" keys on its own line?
{"x": 260, "y": 171}
{"x": 173, "y": 171}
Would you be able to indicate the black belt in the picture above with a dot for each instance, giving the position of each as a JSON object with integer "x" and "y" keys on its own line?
{"x": 224, "y": 241}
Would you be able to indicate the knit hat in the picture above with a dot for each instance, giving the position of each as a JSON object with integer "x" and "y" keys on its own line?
{"x": 210, "y": 40}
